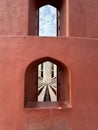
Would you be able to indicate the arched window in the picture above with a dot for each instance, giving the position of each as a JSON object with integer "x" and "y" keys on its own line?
{"x": 47, "y": 21}
{"x": 35, "y": 12}
{"x": 47, "y": 86}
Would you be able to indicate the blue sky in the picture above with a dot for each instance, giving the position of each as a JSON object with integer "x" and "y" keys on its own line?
{"x": 47, "y": 18}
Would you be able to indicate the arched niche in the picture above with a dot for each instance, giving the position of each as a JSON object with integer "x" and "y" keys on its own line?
{"x": 31, "y": 85}
{"x": 33, "y": 15}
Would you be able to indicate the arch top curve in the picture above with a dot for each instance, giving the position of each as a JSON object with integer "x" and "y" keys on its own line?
{"x": 44, "y": 59}
{"x": 49, "y": 5}
{"x": 45, "y": 4}
{"x": 56, "y": 3}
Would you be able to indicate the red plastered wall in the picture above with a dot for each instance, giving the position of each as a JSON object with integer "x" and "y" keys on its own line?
{"x": 79, "y": 55}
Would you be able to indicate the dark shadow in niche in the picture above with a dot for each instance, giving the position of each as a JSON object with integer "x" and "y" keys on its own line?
{"x": 33, "y": 15}
{"x": 31, "y": 86}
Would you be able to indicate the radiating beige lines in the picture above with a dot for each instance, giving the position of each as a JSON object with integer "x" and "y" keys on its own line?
{"x": 42, "y": 95}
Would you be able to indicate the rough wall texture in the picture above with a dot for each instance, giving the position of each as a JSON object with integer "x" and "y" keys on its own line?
{"x": 84, "y": 18}
{"x": 13, "y": 17}
{"x": 79, "y": 55}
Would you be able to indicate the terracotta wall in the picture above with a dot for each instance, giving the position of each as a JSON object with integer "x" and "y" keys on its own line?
{"x": 63, "y": 19}
{"x": 13, "y": 17}
{"x": 79, "y": 55}
{"x": 84, "y": 18}
{"x": 33, "y": 23}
